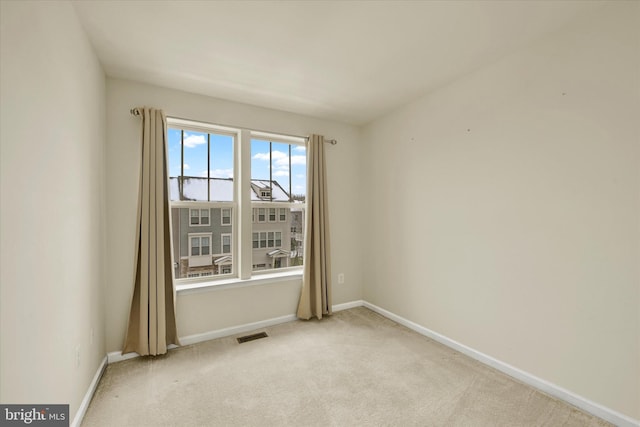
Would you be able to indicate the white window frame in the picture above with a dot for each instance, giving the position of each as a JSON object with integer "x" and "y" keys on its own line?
{"x": 282, "y": 213}
{"x": 243, "y": 214}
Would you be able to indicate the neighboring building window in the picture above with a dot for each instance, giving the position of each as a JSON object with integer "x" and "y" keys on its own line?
{"x": 208, "y": 192}
{"x": 262, "y": 216}
{"x": 226, "y": 217}
{"x": 200, "y": 245}
{"x": 226, "y": 243}
{"x": 199, "y": 216}
{"x": 267, "y": 239}
{"x": 199, "y": 274}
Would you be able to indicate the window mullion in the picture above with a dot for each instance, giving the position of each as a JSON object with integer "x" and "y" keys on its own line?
{"x": 243, "y": 166}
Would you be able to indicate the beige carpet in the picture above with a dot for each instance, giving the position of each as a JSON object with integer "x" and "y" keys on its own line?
{"x": 355, "y": 368}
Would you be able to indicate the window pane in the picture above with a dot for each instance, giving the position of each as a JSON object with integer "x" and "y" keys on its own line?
{"x": 279, "y": 244}
{"x": 204, "y": 242}
{"x": 200, "y": 165}
{"x": 298, "y": 172}
{"x": 226, "y": 243}
{"x": 194, "y": 164}
{"x": 226, "y": 216}
{"x": 278, "y": 171}
{"x": 221, "y": 167}
{"x": 204, "y": 216}
{"x": 201, "y": 249}
{"x": 175, "y": 150}
{"x": 296, "y": 238}
{"x": 195, "y": 246}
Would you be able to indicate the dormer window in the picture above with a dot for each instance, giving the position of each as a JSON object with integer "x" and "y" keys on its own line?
{"x": 265, "y": 193}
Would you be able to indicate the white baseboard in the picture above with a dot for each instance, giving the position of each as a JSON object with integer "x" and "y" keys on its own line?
{"x": 116, "y": 356}
{"x": 220, "y": 333}
{"x": 554, "y": 390}
{"x": 84, "y": 405}
{"x": 347, "y": 305}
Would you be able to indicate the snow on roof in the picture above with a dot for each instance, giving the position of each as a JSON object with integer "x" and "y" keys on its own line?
{"x": 220, "y": 189}
{"x": 278, "y": 194}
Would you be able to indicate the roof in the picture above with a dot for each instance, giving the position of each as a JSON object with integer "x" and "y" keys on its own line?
{"x": 279, "y": 253}
{"x": 192, "y": 188}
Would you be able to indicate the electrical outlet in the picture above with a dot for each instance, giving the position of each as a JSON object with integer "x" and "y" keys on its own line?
{"x": 341, "y": 278}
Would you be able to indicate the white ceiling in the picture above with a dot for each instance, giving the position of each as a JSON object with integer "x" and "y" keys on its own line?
{"x": 347, "y": 61}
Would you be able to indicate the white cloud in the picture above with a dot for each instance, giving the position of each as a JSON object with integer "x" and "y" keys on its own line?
{"x": 194, "y": 140}
{"x": 275, "y": 154}
{"x": 300, "y": 148}
{"x": 281, "y": 173}
{"x": 218, "y": 173}
{"x": 281, "y": 159}
{"x": 298, "y": 160}
{"x": 186, "y": 166}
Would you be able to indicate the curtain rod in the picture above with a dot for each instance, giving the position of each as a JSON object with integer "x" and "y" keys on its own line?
{"x": 136, "y": 112}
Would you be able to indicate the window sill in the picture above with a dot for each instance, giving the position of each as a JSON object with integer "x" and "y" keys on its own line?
{"x": 257, "y": 280}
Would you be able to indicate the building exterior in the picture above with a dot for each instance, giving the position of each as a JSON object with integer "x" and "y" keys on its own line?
{"x": 203, "y": 236}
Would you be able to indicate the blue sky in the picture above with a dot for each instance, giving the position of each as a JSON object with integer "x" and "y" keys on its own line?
{"x": 221, "y": 159}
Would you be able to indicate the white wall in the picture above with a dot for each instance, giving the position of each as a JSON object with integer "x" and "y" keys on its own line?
{"x": 213, "y": 310}
{"x": 505, "y": 210}
{"x": 52, "y": 157}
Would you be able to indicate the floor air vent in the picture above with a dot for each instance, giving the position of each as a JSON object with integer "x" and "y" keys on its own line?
{"x": 252, "y": 337}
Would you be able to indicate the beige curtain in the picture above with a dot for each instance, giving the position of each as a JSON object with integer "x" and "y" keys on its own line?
{"x": 315, "y": 299}
{"x": 152, "y": 322}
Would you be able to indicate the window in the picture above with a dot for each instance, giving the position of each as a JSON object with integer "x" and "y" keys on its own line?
{"x": 200, "y": 245}
{"x": 278, "y": 185}
{"x": 199, "y": 216}
{"x": 226, "y": 243}
{"x": 202, "y": 190}
{"x": 226, "y": 217}
{"x": 208, "y": 192}
{"x": 199, "y": 274}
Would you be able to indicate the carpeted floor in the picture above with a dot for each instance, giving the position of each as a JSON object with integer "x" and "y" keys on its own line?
{"x": 355, "y": 368}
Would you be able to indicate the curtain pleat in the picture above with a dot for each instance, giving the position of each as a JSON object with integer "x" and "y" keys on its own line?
{"x": 152, "y": 322}
{"x": 315, "y": 297}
